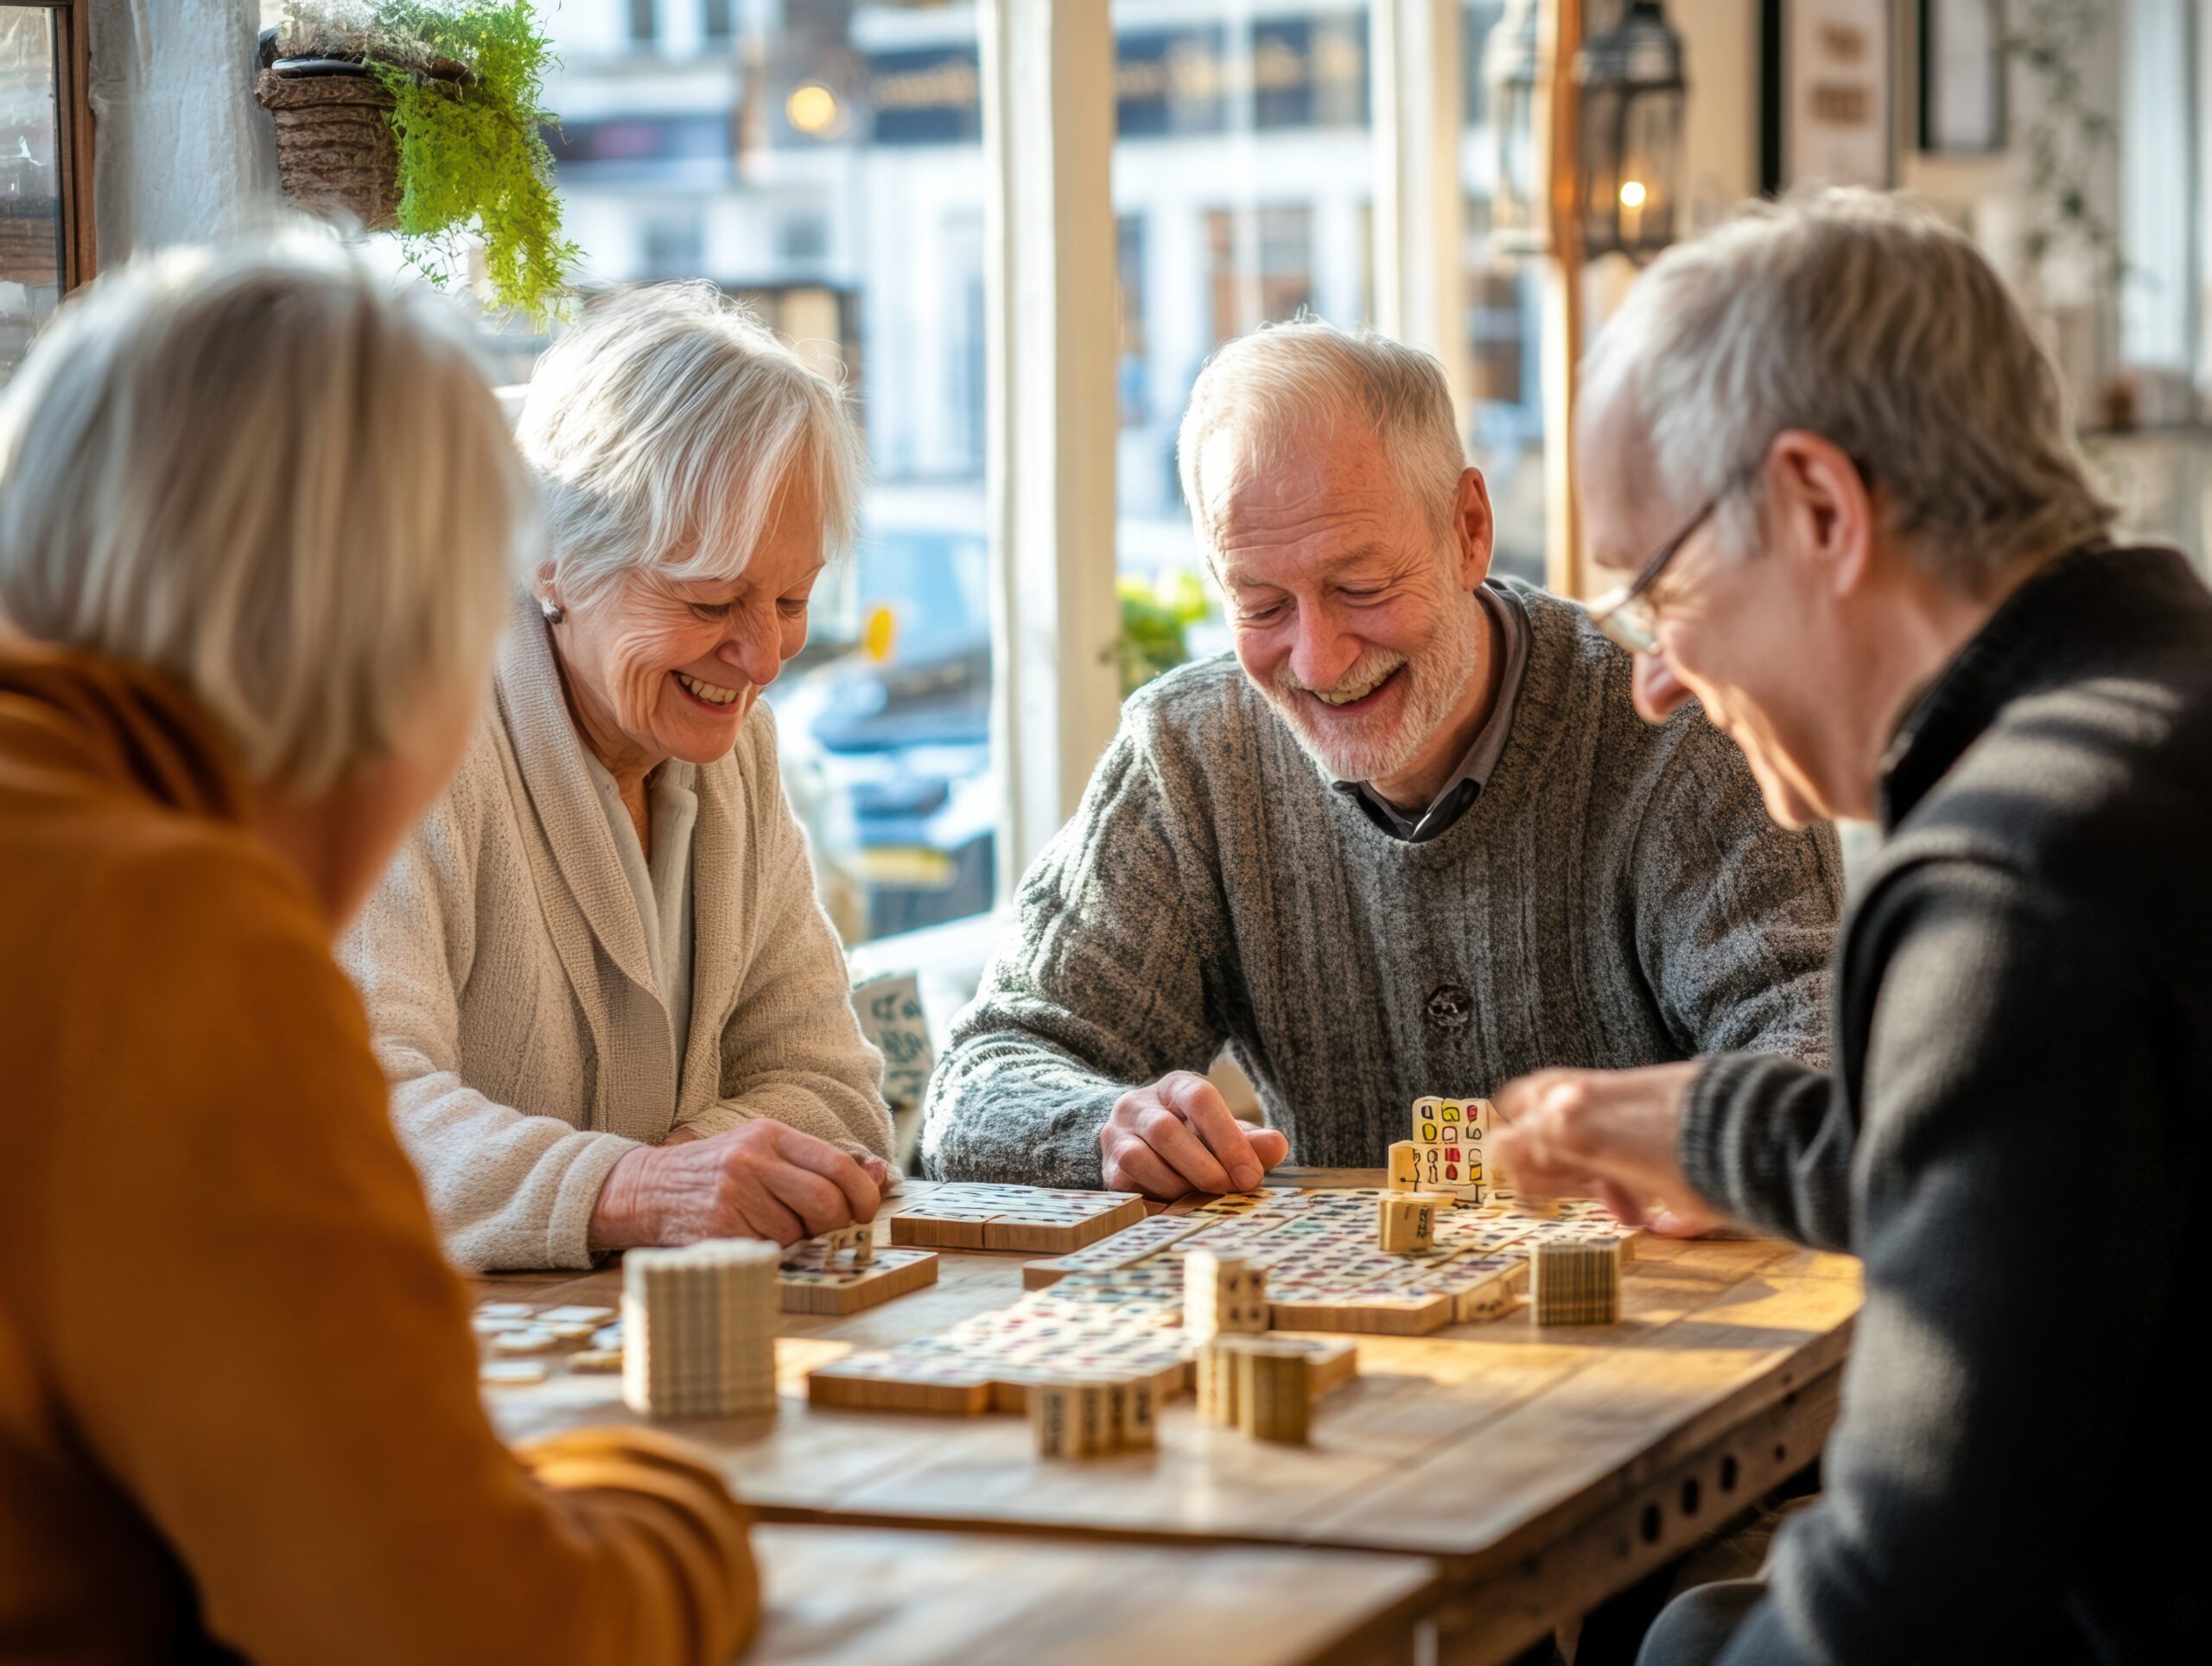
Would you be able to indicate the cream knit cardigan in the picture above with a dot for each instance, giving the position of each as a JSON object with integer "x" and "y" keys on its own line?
{"x": 505, "y": 971}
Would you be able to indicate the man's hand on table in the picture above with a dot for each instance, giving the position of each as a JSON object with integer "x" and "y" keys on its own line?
{"x": 1611, "y": 1133}
{"x": 763, "y": 1180}
{"x": 1177, "y": 1136}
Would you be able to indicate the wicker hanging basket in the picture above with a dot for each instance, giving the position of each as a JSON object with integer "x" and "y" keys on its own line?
{"x": 336, "y": 153}
{"x": 335, "y": 150}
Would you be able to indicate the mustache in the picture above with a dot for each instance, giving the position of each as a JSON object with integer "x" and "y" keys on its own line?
{"x": 1364, "y": 672}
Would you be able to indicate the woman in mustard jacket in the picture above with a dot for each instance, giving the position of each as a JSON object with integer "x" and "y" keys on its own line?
{"x": 257, "y": 512}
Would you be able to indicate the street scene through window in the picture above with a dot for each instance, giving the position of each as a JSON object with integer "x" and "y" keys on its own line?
{"x": 824, "y": 161}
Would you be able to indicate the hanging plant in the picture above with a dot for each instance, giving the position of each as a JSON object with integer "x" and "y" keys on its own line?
{"x": 2068, "y": 138}
{"x": 463, "y": 81}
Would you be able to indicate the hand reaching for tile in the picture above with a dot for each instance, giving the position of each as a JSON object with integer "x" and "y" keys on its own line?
{"x": 1177, "y": 1136}
{"x": 1611, "y": 1134}
{"x": 763, "y": 1180}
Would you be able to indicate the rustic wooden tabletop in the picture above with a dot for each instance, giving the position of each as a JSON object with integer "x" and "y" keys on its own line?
{"x": 1539, "y": 1471}
{"x": 857, "y": 1596}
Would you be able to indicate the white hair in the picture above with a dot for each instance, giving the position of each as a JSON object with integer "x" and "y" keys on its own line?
{"x": 1286, "y": 386}
{"x": 1869, "y": 322}
{"x": 264, "y": 470}
{"x": 665, "y": 429}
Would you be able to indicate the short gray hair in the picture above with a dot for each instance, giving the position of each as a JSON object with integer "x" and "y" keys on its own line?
{"x": 1862, "y": 318}
{"x": 1288, "y": 383}
{"x": 269, "y": 473}
{"x": 665, "y": 429}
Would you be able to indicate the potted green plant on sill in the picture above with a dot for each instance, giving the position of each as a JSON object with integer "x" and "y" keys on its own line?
{"x": 1156, "y": 619}
{"x": 423, "y": 116}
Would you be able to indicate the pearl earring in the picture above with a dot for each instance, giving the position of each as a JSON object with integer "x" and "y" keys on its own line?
{"x": 554, "y": 612}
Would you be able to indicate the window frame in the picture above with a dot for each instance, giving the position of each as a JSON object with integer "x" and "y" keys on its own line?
{"x": 1052, "y": 410}
{"x": 74, "y": 113}
{"x": 1052, "y": 402}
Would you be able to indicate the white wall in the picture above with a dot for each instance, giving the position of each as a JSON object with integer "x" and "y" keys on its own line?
{"x": 2066, "y": 297}
{"x": 1986, "y": 195}
{"x": 1720, "y": 119}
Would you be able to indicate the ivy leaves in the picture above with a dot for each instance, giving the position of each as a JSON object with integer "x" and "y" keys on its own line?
{"x": 2051, "y": 38}
{"x": 469, "y": 77}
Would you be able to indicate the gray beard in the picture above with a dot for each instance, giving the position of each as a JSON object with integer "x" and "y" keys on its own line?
{"x": 1438, "y": 675}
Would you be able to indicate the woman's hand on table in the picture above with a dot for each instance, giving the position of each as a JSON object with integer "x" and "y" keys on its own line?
{"x": 1611, "y": 1135}
{"x": 762, "y": 1180}
{"x": 1177, "y": 1136}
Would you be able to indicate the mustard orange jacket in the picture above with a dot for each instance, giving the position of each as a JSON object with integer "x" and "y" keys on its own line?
{"x": 238, "y": 1385}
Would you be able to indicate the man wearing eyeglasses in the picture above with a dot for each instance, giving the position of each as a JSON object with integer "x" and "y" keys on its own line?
{"x": 1833, "y": 465}
{"x": 1412, "y": 838}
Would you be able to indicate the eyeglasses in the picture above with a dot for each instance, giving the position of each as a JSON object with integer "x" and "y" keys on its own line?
{"x": 1625, "y": 614}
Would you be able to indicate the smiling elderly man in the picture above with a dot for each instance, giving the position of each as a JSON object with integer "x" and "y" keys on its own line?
{"x": 1833, "y": 467}
{"x": 1411, "y": 839}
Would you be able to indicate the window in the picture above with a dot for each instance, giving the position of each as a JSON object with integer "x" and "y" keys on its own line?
{"x": 1505, "y": 419}
{"x": 1133, "y": 393}
{"x": 822, "y": 159}
{"x": 45, "y": 195}
{"x": 1243, "y": 171}
{"x": 826, "y": 161}
{"x": 802, "y": 238}
{"x": 673, "y": 244}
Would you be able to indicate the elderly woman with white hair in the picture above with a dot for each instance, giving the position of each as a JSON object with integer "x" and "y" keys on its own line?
{"x": 611, "y": 1009}
{"x": 257, "y": 518}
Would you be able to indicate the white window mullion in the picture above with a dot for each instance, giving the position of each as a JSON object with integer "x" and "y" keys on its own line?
{"x": 1048, "y": 137}
{"x": 2157, "y": 141}
{"x": 1417, "y": 67}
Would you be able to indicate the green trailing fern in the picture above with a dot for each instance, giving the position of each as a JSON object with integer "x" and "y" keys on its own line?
{"x": 471, "y": 155}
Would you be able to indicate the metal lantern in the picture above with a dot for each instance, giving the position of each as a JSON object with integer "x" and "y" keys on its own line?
{"x": 1630, "y": 83}
{"x": 1513, "y": 75}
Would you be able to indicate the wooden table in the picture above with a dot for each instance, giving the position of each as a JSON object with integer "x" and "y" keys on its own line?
{"x": 1541, "y": 1470}
{"x": 869, "y": 1596}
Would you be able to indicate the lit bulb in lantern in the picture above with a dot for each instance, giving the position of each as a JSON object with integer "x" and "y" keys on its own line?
{"x": 812, "y": 109}
{"x": 1632, "y": 194}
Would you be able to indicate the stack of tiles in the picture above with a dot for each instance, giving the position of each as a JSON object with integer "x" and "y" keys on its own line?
{"x": 1126, "y": 1248}
{"x": 1261, "y": 1385}
{"x": 1037, "y": 1220}
{"x": 1075, "y": 1419}
{"x": 1273, "y": 1394}
{"x": 1223, "y": 1293}
{"x": 1214, "y": 1365}
{"x": 1114, "y": 1310}
{"x": 699, "y": 1329}
{"x": 836, "y": 1273}
{"x": 1451, "y": 1139}
{"x": 1325, "y": 1271}
{"x": 1576, "y": 1282}
{"x": 1099, "y": 1325}
{"x": 1405, "y": 1221}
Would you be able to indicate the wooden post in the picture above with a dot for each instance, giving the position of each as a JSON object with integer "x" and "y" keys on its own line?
{"x": 1564, "y": 570}
{"x": 75, "y": 105}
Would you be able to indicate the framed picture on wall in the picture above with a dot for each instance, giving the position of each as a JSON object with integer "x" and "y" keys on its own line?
{"x": 1825, "y": 96}
{"x": 1962, "y": 76}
